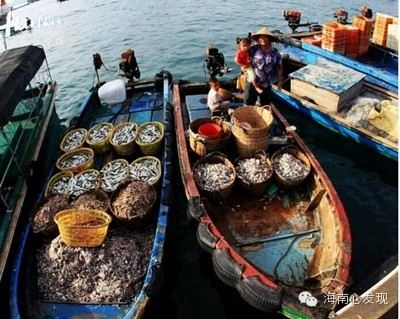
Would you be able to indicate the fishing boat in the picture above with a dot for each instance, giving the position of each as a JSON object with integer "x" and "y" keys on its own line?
{"x": 377, "y": 62}
{"x": 26, "y": 108}
{"x": 140, "y": 103}
{"x": 278, "y": 244}
{"x": 318, "y": 97}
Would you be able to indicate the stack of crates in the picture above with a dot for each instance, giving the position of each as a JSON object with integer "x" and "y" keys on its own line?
{"x": 314, "y": 40}
{"x": 381, "y": 28}
{"x": 365, "y": 27}
{"x": 352, "y": 41}
{"x": 392, "y": 41}
{"x": 334, "y": 37}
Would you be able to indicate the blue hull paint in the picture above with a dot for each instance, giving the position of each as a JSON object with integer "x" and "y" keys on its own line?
{"x": 131, "y": 310}
{"x": 381, "y": 72}
{"x": 333, "y": 125}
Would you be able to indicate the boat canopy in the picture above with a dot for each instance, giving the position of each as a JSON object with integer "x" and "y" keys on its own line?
{"x": 18, "y": 67}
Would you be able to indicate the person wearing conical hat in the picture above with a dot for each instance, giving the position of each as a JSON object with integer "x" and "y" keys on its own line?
{"x": 266, "y": 61}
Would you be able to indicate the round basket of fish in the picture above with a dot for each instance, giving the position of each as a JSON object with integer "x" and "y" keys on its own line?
{"x": 132, "y": 203}
{"x": 42, "y": 218}
{"x": 92, "y": 199}
{"x": 98, "y": 137}
{"x": 77, "y": 160}
{"x": 254, "y": 173}
{"x": 149, "y": 137}
{"x": 84, "y": 181}
{"x": 215, "y": 175}
{"x": 59, "y": 184}
{"x": 113, "y": 174}
{"x": 73, "y": 139}
{"x": 146, "y": 169}
{"x": 123, "y": 138}
{"x": 291, "y": 166}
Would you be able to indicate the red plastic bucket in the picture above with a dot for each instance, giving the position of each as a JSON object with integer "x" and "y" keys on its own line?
{"x": 210, "y": 130}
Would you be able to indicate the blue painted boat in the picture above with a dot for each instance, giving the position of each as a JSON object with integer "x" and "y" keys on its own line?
{"x": 380, "y": 66}
{"x": 359, "y": 129}
{"x": 276, "y": 243}
{"x": 146, "y": 101}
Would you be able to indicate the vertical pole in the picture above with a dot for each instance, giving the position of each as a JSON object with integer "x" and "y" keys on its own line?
{"x": 3, "y": 33}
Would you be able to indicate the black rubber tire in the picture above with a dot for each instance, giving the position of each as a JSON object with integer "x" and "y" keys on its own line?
{"x": 258, "y": 295}
{"x": 225, "y": 267}
{"x": 205, "y": 238}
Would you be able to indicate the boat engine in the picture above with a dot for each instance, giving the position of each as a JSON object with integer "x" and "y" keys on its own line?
{"x": 366, "y": 12}
{"x": 293, "y": 17}
{"x": 341, "y": 16}
{"x": 215, "y": 62}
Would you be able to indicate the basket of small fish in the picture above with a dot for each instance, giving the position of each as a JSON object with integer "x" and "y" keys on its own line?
{"x": 132, "y": 203}
{"x": 73, "y": 139}
{"x": 291, "y": 166}
{"x": 98, "y": 137}
{"x": 82, "y": 227}
{"x": 215, "y": 175}
{"x": 84, "y": 181}
{"x": 42, "y": 217}
{"x": 113, "y": 174}
{"x": 203, "y": 145}
{"x": 123, "y": 138}
{"x": 92, "y": 199}
{"x": 254, "y": 173}
{"x": 76, "y": 161}
{"x": 150, "y": 136}
{"x": 59, "y": 184}
{"x": 146, "y": 169}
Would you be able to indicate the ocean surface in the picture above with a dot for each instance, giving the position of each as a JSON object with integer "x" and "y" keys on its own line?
{"x": 172, "y": 35}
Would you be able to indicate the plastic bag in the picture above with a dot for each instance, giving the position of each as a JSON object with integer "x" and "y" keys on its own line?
{"x": 385, "y": 119}
{"x": 113, "y": 92}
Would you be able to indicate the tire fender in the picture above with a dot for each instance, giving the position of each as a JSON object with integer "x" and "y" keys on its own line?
{"x": 205, "y": 237}
{"x": 225, "y": 267}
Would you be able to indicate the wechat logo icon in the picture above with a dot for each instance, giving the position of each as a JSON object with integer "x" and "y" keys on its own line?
{"x": 307, "y": 298}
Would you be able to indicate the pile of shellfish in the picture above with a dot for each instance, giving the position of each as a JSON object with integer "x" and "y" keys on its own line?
{"x": 214, "y": 177}
{"x": 253, "y": 170}
{"x": 290, "y": 168}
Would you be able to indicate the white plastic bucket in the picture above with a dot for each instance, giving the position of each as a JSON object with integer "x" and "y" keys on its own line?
{"x": 113, "y": 92}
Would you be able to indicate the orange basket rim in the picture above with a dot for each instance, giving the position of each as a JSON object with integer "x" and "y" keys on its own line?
{"x": 69, "y": 211}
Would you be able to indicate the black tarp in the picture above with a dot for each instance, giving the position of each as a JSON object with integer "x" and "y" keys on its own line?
{"x": 17, "y": 68}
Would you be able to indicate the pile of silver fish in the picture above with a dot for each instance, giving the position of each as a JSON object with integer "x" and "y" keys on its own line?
{"x": 110, "y": 273}
{"x": 113, "y": 174}
{"x": 148, "y": 134}
{"x": 84, "y": 181}
{"x": 253, "y": 170}
{"x": 62, "y": 186}
{"x": 99, "y": 133}
{"x": 74, "y": 140}
{"x": 214, "y": 177}
{"x": 290, "y": 167}
{"x": 147, "y": 170}
{"x": 125, "y": 134}
{"x": 74, "y": 160}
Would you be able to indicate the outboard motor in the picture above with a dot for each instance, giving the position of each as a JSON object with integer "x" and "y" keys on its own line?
{"x": 293, "y": 17}
{"x": 341, "y": 16}
{"x": 215, "y": 62}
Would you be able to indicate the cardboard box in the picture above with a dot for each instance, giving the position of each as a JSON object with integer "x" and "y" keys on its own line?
{"x": 329, "y": 85}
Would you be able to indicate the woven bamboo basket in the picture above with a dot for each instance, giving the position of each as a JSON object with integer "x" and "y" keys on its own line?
{"x": 102, "y": 146}
{"x": 215, "y": 158}
{"x": 257, "y": 188}
{"x": 64, "y": 143}
{"x": 250, "y": 125}
{"x": 77, "y": 168}
{"x": 157, "y": 164}
{"x": 202, "y": 145}
{"x": 99, "y": 195}
{"x": 128, "y": 148}
{"x": 82, "y": 227}
{"x": 282, "y": 181}
{"x": 153, "y": 147}
{"x": 48, "y": 192}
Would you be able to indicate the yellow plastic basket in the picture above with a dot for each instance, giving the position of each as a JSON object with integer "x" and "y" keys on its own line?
{"x": 48, "y": 192}
{"x": 64, "y": 143}
{"x": 125, "y": 149}
{"x": 153, "y": 147}
{"x": 78, "y": 168}
{"x": 103, "y": 145}
{"x": 82, "y": 227}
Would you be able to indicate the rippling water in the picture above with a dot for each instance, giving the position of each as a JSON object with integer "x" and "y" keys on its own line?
{"x": 172, "y": 35}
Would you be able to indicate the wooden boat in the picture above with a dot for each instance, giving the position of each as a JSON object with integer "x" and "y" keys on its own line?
{"x": 380, "y": 65}
{"x": 26, "y": 109}
{"x": 146, "y": 101}
{"x": 339, "y": 120}
{"x": 272, "y": 249}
